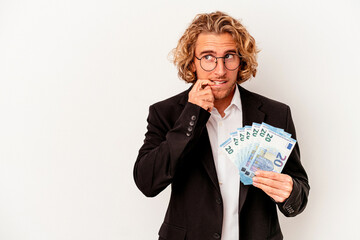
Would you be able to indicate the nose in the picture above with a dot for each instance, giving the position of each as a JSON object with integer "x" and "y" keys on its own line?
{"x": 220, "y": 69}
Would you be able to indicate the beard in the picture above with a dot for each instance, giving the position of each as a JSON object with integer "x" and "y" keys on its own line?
{"x": 223, "y": 93}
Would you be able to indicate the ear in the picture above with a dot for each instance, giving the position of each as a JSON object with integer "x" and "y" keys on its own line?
{"x": 193, "y": 67}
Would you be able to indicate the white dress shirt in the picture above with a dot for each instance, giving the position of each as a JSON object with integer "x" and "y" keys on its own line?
{"x": 227, "y": 173}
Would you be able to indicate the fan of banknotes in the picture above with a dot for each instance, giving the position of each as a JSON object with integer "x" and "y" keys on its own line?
{"x": 258, "y": 147}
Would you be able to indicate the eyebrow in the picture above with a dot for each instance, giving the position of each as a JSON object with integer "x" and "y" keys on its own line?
{"x": 212, "y": 52}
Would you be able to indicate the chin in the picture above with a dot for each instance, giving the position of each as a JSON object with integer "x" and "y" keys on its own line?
{"x": 222, "y": 95}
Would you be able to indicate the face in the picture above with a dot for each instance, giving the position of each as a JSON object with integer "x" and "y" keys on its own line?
{"x": 217, "y": 45}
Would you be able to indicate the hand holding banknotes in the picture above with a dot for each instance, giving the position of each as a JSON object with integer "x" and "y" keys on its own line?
{"x": 260, "y": 152}
{"x": 276, "y": 185}
{"x": 202, "y": 95}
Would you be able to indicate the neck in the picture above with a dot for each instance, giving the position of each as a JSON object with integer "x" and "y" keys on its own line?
{"x": 222, "y": 104}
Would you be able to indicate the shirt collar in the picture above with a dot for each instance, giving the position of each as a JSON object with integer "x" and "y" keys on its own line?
{"x": 236, "y": 101}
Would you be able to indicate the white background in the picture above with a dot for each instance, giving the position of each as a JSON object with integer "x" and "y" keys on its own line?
{"x": 77, "y": 78}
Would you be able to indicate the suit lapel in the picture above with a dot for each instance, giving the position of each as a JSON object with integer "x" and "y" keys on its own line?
{"x": 208, "y": 159}
{"x": 251, "y": 113}
{"x": 204, "y": 141}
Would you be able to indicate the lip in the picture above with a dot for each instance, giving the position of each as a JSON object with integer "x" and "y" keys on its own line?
{"x": 218, "y": 82}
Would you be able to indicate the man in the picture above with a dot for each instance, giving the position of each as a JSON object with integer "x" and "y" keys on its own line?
{"x": 208, "y": 201}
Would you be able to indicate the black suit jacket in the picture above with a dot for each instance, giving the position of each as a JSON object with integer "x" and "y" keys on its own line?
{"x": 177, "y": 151}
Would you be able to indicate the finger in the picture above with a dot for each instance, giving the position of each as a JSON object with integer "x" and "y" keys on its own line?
{"x": 211, "y": 97}
{"x": 207, "y": 103}
{"x": 273, "y": 179}
{"x": 208, "y": 106}
{"x": 198, "y": 85}
{"x": 201, "y": 83}
{"x": 269, "y": 182}
{"x": 285, "y": 187}
{"x": 272, "y": 175}
{"x": 276, "y": 194}
{"x": 206, "y": 90}
{"x": 205, "y": 94}
{"x": 211, "y": 106}
{"x": 204, "y": 86}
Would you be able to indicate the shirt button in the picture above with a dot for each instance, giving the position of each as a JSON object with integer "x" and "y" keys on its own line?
{"x": 190, "y": 129}
{"x": 188, "y": 134}
{"x": 216, "y": 236}
{"x": 193, "y": 117}
{"x": 192, "y": 123}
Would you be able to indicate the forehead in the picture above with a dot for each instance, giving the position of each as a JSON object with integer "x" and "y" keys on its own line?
{"x": 217, "y": 43}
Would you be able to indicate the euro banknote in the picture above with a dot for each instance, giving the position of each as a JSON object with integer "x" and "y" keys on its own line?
{"x": 258, "y": 147}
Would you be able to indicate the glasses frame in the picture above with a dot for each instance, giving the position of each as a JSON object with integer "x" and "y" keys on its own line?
{"x": 216, "y": 62}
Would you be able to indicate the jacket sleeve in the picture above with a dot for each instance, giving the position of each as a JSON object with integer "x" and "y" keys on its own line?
{"x": 298, "y": 198}
{"x": 165, "y": 145}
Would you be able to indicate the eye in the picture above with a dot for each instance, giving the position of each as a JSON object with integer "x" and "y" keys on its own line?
{"x": 209, "y": 58}
{"x": 229, "y": 56}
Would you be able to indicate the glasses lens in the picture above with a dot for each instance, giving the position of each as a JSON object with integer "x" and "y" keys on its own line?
{"x": 208, "y": 62}
{"x": 232, "y": 61}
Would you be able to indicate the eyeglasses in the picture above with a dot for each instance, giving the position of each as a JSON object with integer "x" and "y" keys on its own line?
{"x": 209, "y": 62}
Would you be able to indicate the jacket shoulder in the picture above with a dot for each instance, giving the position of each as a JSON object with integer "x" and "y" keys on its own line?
{"x": 171, "y": 102}
{"x": 266, "y": 103}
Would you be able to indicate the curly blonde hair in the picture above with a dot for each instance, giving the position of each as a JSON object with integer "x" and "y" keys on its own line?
{"x": 216, "y": 22}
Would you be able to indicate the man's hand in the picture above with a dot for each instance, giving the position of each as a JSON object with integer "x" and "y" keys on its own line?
{"x": 202, "y": 95}
{"x": 277, "y": 185}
